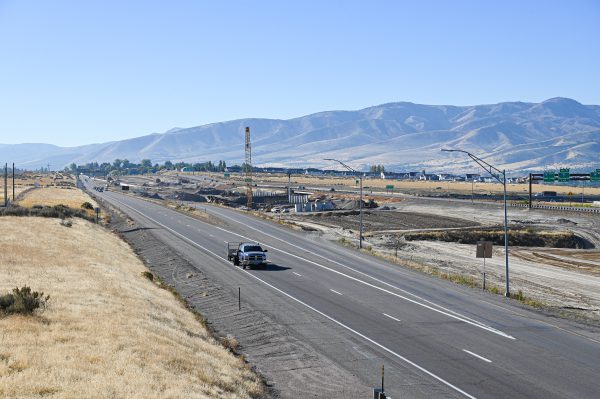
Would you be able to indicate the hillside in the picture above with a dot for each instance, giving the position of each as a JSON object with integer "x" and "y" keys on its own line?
{"x": 514, "y": 135}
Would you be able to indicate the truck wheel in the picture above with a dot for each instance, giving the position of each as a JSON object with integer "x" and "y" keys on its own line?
{"x": 236, "y": 261}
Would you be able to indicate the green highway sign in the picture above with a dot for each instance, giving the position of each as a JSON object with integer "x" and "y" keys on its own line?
{"x": 226, "y": 175}
{"x": 549, "y": 176}
{"x": 248, "y": 180}
{"x": 564, "y": 175}
{"x": 595, "y": 176}
{"x": 389, "y": 187}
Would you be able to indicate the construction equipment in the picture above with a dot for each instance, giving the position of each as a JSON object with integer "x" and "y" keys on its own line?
{"x": 248, "y": 167}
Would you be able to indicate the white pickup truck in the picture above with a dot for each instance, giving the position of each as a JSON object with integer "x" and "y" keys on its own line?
{"x": 247, "y": 254}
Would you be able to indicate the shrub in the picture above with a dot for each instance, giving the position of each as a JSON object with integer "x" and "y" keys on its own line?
{"x": 229, "y": 342}
{"x": 22, "y": 301}
{"x": 87, "y": 205}
{"x": 148, "y": 275}
{"x": 57, "y": 211}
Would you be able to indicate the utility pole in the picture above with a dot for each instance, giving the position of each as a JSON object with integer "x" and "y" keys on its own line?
{"x": 289, "y": 187}
{"x": 248, "y": 168}
{"x": 6, "y": 184}
{"x": 14, "y": 199}
{"x": 360, "y": 229}
{"x": 491, "y": 169}
{"x": 530, "y": 185}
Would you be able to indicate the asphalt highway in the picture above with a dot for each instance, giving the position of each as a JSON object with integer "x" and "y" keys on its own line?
{"x": 435, "y": 338}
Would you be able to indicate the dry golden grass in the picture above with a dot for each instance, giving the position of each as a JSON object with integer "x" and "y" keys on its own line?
{"x": 30, "y": 179}
{"x": 18, "y": 190}
{"x": 108, "y": 331}
{"x": 50, "y": 196}
{"x": 404, "y": 185}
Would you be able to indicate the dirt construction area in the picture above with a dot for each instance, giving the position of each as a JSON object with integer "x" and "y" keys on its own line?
{"x": 385, "y": 220}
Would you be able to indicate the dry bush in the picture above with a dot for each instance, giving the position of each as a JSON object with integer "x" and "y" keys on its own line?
{"x": 22, "y": 301}
{"x": 56, "y": 211}
{"x": 110, "y": 333}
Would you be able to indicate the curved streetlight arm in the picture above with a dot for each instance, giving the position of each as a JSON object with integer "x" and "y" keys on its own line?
{"x": 360, "y": 228}
{"x": 341, "y": 163}
{"x": 486, "y": 166}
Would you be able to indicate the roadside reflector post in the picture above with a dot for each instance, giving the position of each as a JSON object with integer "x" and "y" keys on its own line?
{"x": 97, "y": 209}
{"x": 484, "y": 250}
{"x": 239, "y": 298}
{"x": 382, "y": 375}
{"x": 379, "y": 393}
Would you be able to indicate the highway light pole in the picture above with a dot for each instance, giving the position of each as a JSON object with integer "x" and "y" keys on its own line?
{"x": 490, "y": 169}
{"x": 360, "y": 229}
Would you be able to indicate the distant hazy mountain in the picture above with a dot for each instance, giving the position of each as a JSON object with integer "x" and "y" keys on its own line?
{"x": 516, "y": 136}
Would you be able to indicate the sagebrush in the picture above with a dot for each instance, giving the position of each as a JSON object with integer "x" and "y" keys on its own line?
{"x": 22, "y": 301}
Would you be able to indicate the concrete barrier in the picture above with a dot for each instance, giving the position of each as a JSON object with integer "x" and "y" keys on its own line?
{"x": 558, "y": 208}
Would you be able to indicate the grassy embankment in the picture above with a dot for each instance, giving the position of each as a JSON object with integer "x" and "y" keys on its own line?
{"x": 108, "y": 331}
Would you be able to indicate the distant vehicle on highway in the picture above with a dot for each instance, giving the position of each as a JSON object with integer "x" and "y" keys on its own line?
{"x": 247, "y": 254}
{"x": 546, "y": 194}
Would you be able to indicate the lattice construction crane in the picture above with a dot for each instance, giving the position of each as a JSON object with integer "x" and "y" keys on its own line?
{"x": 248, "y": 168}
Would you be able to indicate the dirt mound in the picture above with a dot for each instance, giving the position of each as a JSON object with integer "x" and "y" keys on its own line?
{"x": 522, "y": 237}
{"x": 183, "y": 196}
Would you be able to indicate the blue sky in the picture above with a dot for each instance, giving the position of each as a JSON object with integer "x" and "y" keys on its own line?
{"x": 78, "y": 72}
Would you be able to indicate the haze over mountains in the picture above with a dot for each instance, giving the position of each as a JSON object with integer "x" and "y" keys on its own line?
{"x": 518, "y": 136}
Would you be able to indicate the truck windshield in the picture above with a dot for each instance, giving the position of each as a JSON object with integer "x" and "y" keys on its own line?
{"x": 252, "y": 248}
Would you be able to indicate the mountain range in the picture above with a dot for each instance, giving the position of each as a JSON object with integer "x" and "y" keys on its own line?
{"x": 517, "y": 136}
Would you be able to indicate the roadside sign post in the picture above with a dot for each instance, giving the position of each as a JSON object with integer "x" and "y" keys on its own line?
{"x": 570, "y": 194}
{"x": 484, "y": 250}
{"x": 97, "y": 210}
{"x": 390, "y": 187}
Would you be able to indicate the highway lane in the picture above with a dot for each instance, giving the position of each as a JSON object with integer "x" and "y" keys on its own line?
{"x": 450, "y": 348}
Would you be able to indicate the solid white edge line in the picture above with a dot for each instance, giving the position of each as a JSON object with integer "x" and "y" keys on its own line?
{"x": 391, "y": 317}
{"x": 339, "y": 293}
{"x": 477, "y": 356}
{"x": 458, "y": 316}
{"x": 440, "y": 379}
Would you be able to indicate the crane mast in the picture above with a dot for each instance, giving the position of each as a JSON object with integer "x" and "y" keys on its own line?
{"x": 248, "y": 168}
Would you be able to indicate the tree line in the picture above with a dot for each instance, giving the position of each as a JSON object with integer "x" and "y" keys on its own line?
{"x": 124, "y": 166}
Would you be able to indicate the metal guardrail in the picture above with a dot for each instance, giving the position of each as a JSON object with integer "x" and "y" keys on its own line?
{"x": 558, "y": 208}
